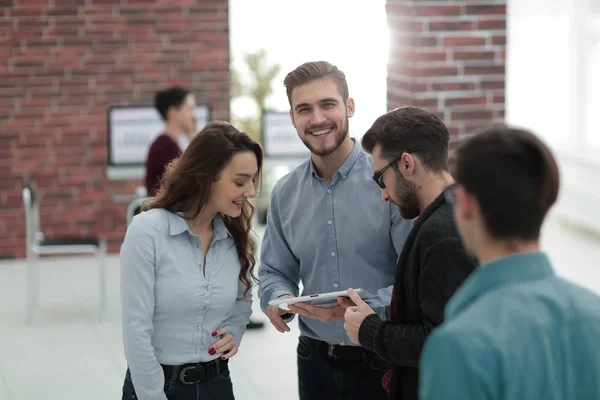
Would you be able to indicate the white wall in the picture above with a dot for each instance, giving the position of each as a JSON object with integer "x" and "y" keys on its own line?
{"x": 552, "y": 73}
{"x": 351, "y": 34}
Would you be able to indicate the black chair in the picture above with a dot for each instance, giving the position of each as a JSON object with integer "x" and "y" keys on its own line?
{"x": 38, "y": 243}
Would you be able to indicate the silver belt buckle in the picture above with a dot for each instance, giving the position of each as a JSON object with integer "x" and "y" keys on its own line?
{"x": 330, "y": 349}
{"x": 182, "y": 375}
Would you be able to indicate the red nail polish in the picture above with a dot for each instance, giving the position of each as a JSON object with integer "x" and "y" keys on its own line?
{"x": 211, "y": 351}
{"x": 214, "y": 333}
{"x": 222, "y": 358}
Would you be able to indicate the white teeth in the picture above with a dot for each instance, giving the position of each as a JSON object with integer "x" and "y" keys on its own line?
{"x": 321, "y": 132}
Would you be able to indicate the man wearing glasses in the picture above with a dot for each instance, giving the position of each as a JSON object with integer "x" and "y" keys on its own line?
{"x": 409, "y": 147}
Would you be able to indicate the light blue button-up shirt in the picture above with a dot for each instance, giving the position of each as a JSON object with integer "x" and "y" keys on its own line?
{"x": 169, "y": 306}
{"x": 515, "y": 331}
{"x": 331, "y": 237}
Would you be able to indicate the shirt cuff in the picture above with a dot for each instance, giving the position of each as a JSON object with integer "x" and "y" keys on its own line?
{"x": 287, "y": 317}
{"x": 368, "y": 331}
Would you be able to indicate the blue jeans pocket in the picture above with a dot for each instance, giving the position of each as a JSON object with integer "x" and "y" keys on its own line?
{"x": 129, "y": 390}
{"x": 304, "y": 349}
{"x": 224, "y": 373}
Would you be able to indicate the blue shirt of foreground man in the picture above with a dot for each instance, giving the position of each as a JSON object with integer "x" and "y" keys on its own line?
{"x": 327, "y": 227}
{"x": 514, "y": 330}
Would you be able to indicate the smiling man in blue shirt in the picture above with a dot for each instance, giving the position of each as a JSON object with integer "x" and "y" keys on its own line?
{"x": 514, "y": 330}
{"x": 328, "y": 228}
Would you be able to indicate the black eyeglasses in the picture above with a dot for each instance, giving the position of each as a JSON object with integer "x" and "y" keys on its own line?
{"x": 378, "y": 175}
{"x": 450, "y": 193}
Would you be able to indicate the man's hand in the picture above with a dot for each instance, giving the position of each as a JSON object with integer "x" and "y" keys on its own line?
{"x": 274, "y": 313}
{"x": 355, "y": 315}
{"x": 324, "y": 314}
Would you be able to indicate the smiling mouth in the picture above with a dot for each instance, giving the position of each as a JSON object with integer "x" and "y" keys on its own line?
{"x": 239, "y": 203}
{"x": 321, "y": 132}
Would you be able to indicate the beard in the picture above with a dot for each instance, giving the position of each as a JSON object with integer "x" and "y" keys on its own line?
{"x": 406, "y": 198}
{"x": 339, "y": 139}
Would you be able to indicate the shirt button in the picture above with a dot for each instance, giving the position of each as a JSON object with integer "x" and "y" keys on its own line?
{"x": 333, "y": 254}
{"x": 198, "y": 328}
{"x": 197, "y": 350}
{"x": 328, "y": 190}
{"x": 335, "y": 285}
{"x": 330, "y": 222}
{"x": 207, "y": 287}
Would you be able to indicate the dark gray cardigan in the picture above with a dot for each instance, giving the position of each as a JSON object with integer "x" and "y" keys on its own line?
{"x": 432, "y": 265}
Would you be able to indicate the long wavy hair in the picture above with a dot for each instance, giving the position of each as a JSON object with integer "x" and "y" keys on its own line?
{"x": 186, "y": 184}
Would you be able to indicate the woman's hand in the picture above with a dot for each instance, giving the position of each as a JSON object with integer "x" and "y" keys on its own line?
{"x": 225, "y": 345}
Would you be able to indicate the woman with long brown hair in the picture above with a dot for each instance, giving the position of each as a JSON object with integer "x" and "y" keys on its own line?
{"x": 186, "y": 271}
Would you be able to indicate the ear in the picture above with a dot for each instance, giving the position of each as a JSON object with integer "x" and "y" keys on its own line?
{"x": 407, "y": 164}
{"x": 292, "y": 118}
{"x": 350, "y": 107}
{"x": 467, "y": 205}
{"x": 170, "y": 112}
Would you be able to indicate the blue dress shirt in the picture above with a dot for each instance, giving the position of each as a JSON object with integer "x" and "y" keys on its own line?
{"x": 170, "y": 301}
{"x": 331, "y": 237}
{"x": 515, "y": 331}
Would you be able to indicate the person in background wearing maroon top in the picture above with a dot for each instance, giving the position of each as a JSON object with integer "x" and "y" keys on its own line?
{"x": 176, "y": 107}
{"x": 409, "y": 147}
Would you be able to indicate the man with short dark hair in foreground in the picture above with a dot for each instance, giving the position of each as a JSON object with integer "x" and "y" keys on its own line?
{"x": 514, "y": 330}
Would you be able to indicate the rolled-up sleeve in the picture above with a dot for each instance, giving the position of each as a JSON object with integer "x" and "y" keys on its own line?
{"x": 137, "y": 308}
{"x": 279, "y": 271}
{"x": 380, "y": 303}
{"x": 237, "y": 320}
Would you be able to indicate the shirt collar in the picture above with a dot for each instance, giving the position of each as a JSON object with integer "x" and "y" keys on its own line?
{"x": 220, "y": 230}
{"x": 178, "y": 225}
{"x": 510, "y": 270}
{"x": 344, "y": 170}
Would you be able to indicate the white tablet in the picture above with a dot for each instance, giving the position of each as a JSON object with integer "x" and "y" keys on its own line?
{"x": 318, "y": 299}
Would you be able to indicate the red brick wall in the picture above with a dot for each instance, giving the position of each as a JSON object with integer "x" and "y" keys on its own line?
{"x": 62, "y": 63}
{"x": 448, "y": 57}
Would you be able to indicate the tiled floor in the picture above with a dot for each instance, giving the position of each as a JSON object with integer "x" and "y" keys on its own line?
{"x": 67, "y": 355}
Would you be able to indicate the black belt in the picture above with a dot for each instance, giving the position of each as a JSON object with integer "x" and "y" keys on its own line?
{"x": 192, "y": 373}
{"x": 340, "y": 352}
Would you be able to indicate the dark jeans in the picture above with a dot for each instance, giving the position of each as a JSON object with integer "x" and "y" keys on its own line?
{"x": 323, "y": 377}
{"x": 217, "y": 388}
